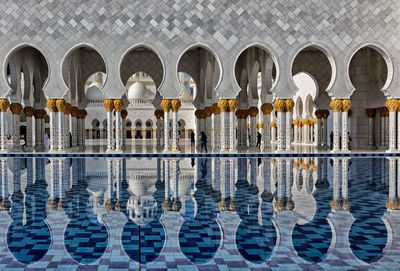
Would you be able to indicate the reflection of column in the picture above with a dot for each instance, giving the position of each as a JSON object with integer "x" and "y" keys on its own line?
{"x": 281, "y": 185}
{"x": 392, "y": 202}
{"x": 267, "y": 109}
{"x": 371, "y": 115}
{"x": 167, "y": 175}
{"x": 253, "y": 111}
{"x": 118, "y": 105}
{"x": 386, "y": 119}
{"x": 392, "y": 104}
{"x": 289, "y": 181}
{"x": 4, "y": 184}
{"x": 4, "y": 105}
{"x": 16, "y": 111}
{"x": 325, "y": 114}
{"x": 225, "y": 184}
{"x": 60, "y": 118}
{"x": 233, "y": 104}
{"x": 345, "y": 192}
{"x": 109, "y": 106}
{"x": 289, "y": 104}
{"x": 335, "y": 203}
{"x": 175, "y": 104}
{"x": 346, "y": 104}
{"x": 29, "y": 111}
{"x": 109, "y": 184}
{"x": 166, "y": 106}
{"x": 336, "y": 106}
{"x": 280, "y": 108}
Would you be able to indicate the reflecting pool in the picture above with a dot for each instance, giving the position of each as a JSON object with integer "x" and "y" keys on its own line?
{"x": 200, "y": 213}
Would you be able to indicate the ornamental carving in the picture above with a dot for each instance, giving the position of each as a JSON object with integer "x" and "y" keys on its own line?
{"x": 175, "y": 105}
{"x": 29, "y": 111}
{"x": 215, "y": 109}
{"x": 371, "y": 112}
{"x": 318, "y": 114}
{"x": 223, "y": 105}
{"x": 118, "y": 105}
{"x": 67, "y": 109}
{"x": 392, "y": 105}
{"x": 273, "y": 124}
{"x": 233, "y": 104}
{"x": 158, "y": 113}
{"x": 16, "y": 109}
{"x": 75, "y": 111}
{"x": 208, "y": 112}
{"x": 51, "y": 105}
{"x": 253, "y": 111}
{"x": 336, "y": 105}
{"x": 199, "y": 114}
{"x": 267, "y": 109}
{"x": 289, "y": 104}
{"x": 108, "y": 105}
{"x": 124, "y": 113}
{"x": 295, "y": 122}
{"x": 346, "y": 104}
{"x": 60, "y": 105}
{"x": 280, "y": 105}
{"x": 4, "y": 105}
{"x": 304, "y": 121}
{"x": 166, "y": 105}
{"x": 325, "y": 114}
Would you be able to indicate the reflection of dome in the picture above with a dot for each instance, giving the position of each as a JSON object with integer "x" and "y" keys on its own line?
{"x": 139, "y": 91}
{"x": 142, "y": 210}
{"x": 94, "y": 94}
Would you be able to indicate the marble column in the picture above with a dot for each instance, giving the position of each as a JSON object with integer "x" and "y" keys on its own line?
{"x": 273, "y": 127}
{"x": 39, "y": 137}
{"x": 118, "y": 105}
{"x": 325, "y": 114}
{"x": 175, "y": 105}
{"x": 382, "y": 127}
{"x": 253, "y": 112}
{"x": 386, "y": 119}
{"x": 391, "y": 105}
{"x": 109, "y": 106}
{"x": 398, "y": 124}
{"x": 52, "y": 106}
{"x": 289, "y": 104}
{"x": 207, "y": 124}
{"x": 346, "y": 104}
{"x": 74, "y": 127}
{"x": 241, "y": 116}
{"x": 4, "y": 105}
{"x": 166, "y": 106}
{"x": 280, "y": 108}
{"x": 217, "y": 126}
{"x": 266, "y": 109}
{"x": 16, "y": 110}
{"x": 29, "y": 111}
{"x": 233, "y": 104}
{"x": 79, "y": 129}
{"x": 199, "y": 120}
{"x": 305, "y": 131}
{"x": 158, "y": 113}
{"x": 317, "y": 130}
{"x": 336, "y": 106}
{"x": 223, "y": 105}
{"x": 124, "y": 114}
{"x": 60, "y": 118}
{"x": 67, "y": 125}
{"x": 371, "y": 140}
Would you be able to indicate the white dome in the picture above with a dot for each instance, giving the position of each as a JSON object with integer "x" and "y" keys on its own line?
{"x": 139, "y": 91}
{"x": 94, "y": 93}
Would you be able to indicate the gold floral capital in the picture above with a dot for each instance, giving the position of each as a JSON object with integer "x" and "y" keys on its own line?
{"x": 215, "y": 109}
{"x": 60, "y": 103}
{"x": 392, "y": 105}
{"x": 175, "y": 105}
{"x": 16, "y": 109}
{"x": 52, "y": 105}
{"x": 233, "y": 104}
{"x": 346, "y": 104}
{"x": 67, "y": 109}
{"x": 75, "y": 111}
{"x": 166, "y": 105}
{"x": 223, "y": 105}
{"x": 108, "y": 105}
{"x": 371, "y": 112}
{"x": 280, "y": 105}
{"x": 124, "y": 114}
{"x": 336, "y": 105}
{"x": 289, "y": 104}
{"x": 29, "y": 111}
{"x": 118, "y": 105}
{"x": 158, "y": 113}
{"x": 267, "y": 109}
{"x": 253, "y": 111}
{"x": 4, "y": 105}
{"x": 208, "y": 112}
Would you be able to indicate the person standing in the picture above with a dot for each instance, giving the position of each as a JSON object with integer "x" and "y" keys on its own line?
{"x": 203, "y": 140}
{"x": 258, "y": 140}
{"x": 331, "y": 139}
{"x": 192, "y": 138}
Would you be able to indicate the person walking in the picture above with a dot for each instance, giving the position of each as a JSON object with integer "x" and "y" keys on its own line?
{"x": 203, "y": 140}
{"x": 331, "y": 139}
{"x": 258, "y": 140}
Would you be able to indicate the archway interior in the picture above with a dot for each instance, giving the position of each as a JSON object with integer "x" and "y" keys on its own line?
{"x": 78, "y": 66}
{"x": 368, "y": 73}
{"x": 305, "y": 96}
